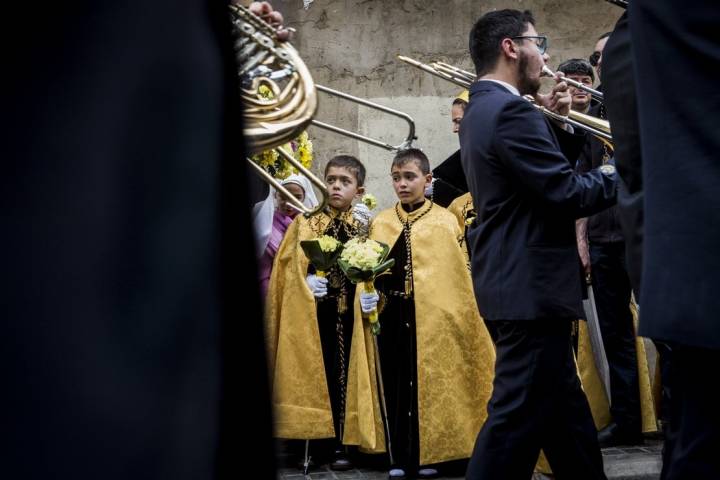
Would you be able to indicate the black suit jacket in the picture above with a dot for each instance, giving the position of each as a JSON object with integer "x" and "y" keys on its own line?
{"x": 675, "y": 43}
{"x": 527, "y": 196}
{"x": 450, "y": 180}
{"x": 127, "y": 343}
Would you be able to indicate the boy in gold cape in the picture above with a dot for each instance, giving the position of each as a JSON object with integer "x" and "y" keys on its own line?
{"x": 317, "y": 347}
{"x": 437, "y": 358}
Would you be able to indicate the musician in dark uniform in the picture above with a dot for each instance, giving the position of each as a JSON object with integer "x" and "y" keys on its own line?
{"x": 130, "y": 348}
{"x": 607, "y": 268}
{"x": 676, "y": 168}
{"x": 524, "y": 256}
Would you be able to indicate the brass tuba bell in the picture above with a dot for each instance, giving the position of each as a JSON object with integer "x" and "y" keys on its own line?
{"x": 278, "y": 96}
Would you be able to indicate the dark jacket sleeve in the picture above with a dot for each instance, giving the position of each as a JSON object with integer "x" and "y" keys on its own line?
{"x": 572, "y": 145}
{"x": 524, "y": 138}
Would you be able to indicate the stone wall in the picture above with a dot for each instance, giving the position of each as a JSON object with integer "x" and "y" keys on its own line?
{"x": 352, "y": 45}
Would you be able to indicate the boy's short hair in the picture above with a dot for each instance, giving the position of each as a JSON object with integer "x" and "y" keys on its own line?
{"x": 351, "y": 163}
{"x": 577, "y": 66}
{"x": 412, "y": 155}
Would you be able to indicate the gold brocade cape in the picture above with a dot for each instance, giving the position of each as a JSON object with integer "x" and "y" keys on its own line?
{"x": 460, "y": 208}
{"x": 301, "y": 402}
{"x": 455, "y": 355}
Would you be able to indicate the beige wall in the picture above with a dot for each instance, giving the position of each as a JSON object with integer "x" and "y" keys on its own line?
{"x": 351, "y": 45}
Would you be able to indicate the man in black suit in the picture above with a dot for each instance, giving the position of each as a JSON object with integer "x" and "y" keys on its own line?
{"x": 524, "y": 256}
{"x": 677, "y": 170}
{"x": 129, "y": 346}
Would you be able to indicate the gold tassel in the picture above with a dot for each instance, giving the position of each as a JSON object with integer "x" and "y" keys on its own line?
{"x": 342, "y": 303}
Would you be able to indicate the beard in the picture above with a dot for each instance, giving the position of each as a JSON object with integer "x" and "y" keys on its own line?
{"x": 526, "y": 84}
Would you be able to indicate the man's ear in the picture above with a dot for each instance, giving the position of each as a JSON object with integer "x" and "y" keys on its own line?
{"x": 360, "y": 192}
{"x": 428, "y": 178}
{"x": 509, "y": 48}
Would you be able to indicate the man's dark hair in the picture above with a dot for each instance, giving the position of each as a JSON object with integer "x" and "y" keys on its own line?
{"x": 577, "y": 66}
{"x": 412, "y": 155}
{"x": 604, "y": 35}
{"x": 351, "y": 163}
{"x": 490, "y": 30}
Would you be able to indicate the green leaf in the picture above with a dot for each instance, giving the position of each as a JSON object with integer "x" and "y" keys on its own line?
{"x": 388, "y": 264}
{"x": 321, "y": 260}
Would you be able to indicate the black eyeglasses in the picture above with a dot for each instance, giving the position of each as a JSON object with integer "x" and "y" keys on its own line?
{"x": 541, "y": 41}
{"x": 594, "y": 58}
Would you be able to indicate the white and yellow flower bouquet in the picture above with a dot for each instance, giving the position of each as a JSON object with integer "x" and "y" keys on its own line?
{"x": 362, "y": 260}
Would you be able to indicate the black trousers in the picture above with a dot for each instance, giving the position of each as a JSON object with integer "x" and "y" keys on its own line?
{"x": 335, "y": 339}
{"x": 611, "y": 285}
{"x": 691, "y": 444}
{"x": 398, "y": 354}
{"x": 537, "y": 402}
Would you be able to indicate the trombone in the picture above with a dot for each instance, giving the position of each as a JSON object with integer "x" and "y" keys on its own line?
{"x": 406, "y": 143}
{"x": 597, "y": 94}
{"x": 273, "y": 120}
{"x": 595, "y": 126}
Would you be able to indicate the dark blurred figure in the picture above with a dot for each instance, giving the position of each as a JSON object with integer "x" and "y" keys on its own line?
{"x": 667, "y": 157}
{"x": 127, "y": 338}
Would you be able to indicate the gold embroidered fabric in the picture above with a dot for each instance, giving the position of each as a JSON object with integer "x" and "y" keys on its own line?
{"x": 300, "y": 398}
{"x": 455, "y": 355}
{"x": 460, "y": 207}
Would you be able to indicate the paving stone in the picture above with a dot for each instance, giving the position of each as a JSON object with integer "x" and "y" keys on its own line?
{"x": 621, "y": 463}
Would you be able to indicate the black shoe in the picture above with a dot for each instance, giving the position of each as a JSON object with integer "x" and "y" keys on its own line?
{"x": 397, "y": 474}
{"x": 613, "y": 436}
{"x": 341, "y": 462}
{"x": 427, "y": 473}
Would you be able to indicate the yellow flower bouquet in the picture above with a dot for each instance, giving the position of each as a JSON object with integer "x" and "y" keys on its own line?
{"x": 361, "y": 261}
{"x": 323, "y": 253}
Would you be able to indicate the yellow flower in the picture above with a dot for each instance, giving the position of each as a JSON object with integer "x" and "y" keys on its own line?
{"x": 363, "y": 255}
{"x": 265, "y": 91}
{"x": 328, "y": 243}
{"x": 301, "y": 148}
{"x": 369, "y": 200}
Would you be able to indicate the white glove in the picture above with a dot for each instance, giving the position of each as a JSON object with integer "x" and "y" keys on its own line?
{"x": 368, "y": 302}
{"x": 361, "y": 213}
{"x": 317, "y": 285}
